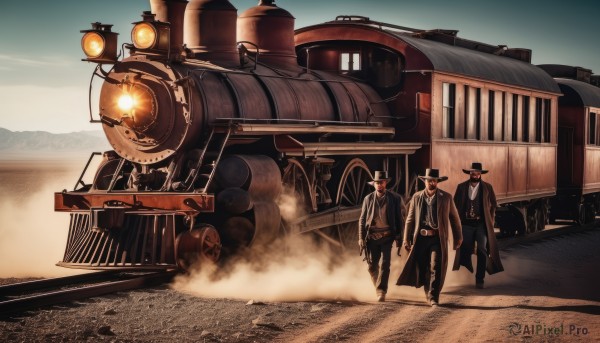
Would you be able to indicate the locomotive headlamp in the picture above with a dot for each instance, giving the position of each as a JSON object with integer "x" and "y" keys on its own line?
{"x": 100, "y": 44}
{"x": 150, "y": 34}
{"x": 126, "y": 102}
{"x": 134, "y": 105}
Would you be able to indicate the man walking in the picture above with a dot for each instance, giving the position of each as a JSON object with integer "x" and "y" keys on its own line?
{"x": 476, "y": 204}
{"x": 380, "y": 223}
{"x": 426, "y": 237}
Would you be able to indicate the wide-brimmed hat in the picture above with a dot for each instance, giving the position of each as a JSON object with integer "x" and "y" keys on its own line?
{"x": 475, "y": 167}
{"x": 432, "y": 174}
{"x": 380, "y": 175}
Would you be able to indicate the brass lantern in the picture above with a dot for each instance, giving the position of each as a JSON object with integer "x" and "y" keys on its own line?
{"x": 99, "y": 44}
{"x": 151, "y": 35}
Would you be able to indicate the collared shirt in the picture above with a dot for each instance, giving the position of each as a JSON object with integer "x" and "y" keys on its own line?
{"x": 473, "y": 190}
{"x": 380, "y": 215}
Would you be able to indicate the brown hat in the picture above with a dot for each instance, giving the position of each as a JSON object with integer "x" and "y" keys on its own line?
{"x": 432, "y": 174}
{"x": 380, "y": 175}
{"x": 475, "y": 167}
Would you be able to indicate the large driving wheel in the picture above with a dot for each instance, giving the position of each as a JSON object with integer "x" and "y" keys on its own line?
{"x": 352, "y": 190}
{"x": 296, "y": 183}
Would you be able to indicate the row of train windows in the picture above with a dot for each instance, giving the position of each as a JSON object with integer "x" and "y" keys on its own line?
{"x": 594, "y": 129}
{"x": 507, "y": 117}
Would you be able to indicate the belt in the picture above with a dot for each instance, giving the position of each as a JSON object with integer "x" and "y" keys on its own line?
{"x": 428, "y": 232}
{"x": 473, "y": 221}
{"x": 379, "y": 229}
{"x": 379, "y": 234}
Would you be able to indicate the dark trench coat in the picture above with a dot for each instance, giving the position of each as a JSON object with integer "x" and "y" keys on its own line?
{"x": 447, "y": 219}
{"x": 493, "y": 264}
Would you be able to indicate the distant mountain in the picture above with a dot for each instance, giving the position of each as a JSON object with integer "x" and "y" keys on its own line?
{"x": 41, "y": 142}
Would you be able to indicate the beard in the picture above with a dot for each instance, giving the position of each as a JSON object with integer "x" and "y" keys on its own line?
{"x": 474, "y": 180}
{"x": 431, "y": 188}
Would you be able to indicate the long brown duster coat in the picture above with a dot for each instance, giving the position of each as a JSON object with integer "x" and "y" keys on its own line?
{"x": 447, "y": 217}
{"x": 493, "y": 265}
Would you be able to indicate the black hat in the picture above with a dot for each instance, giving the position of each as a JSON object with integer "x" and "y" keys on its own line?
{"x": 431, "y": 173}
{"x": 475, "y": 167}
{"x": 380, "y": 175}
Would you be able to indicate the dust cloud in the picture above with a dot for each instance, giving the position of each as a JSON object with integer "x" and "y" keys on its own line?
{"x": 290, "y": 270}
{"x": 294, "y": 268}
{"x": 32, "y": 235}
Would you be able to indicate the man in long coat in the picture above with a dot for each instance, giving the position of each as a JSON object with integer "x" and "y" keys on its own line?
{"x": 379, "y": 225}
{"x": 476, "y": 204}
{"x": 426, "y": 233}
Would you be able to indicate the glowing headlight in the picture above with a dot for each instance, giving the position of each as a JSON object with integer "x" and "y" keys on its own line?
{"x": 99, "y": 44}
{"x": 126, "y": 102}
{"x": 92, "y": 44}
{"x": 143, "y": 35}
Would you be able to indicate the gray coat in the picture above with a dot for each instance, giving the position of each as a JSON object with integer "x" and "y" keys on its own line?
{"x": 394, "y": 214}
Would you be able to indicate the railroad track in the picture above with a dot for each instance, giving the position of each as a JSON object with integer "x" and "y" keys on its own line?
{"x": 19, "y": 297}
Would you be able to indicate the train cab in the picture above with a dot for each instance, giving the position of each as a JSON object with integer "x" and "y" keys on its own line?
{"x": 463, "y": 100}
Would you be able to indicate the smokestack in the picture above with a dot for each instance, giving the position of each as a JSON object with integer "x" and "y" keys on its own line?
{"x": 209, "y": 30}
{"x": 171, "y": 11}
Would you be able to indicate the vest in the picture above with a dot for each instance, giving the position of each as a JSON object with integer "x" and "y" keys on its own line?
{"x": 474, "y": 207}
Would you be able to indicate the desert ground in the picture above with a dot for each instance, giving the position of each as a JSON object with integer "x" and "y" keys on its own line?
{"x": 548, "y": 293}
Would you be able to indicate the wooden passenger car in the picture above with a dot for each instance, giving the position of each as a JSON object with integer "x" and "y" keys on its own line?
{"x": 464, "y": 101}
{"x": 578, "y": 193}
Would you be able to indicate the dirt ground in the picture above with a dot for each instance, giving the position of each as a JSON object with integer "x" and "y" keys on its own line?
{"x": 549, "y": 292}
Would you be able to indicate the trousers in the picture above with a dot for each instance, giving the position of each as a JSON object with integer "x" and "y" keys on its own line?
{"x": 380, "y": 250}
{"x": 474, "y": 234}
{"x": 428, "y": 255}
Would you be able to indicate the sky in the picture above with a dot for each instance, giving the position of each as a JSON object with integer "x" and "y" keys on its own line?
{"x": 44, "y": 84}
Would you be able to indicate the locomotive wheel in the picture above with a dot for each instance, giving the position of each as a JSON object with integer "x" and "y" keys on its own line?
{"x": 295, "y": 181}
{"x": 202, "y": 244}
{"x": 352, "y": 190}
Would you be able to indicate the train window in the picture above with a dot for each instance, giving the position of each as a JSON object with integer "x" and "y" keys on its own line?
{"x": 547, "y": 120}
{"x": 383, "y": 69}
{"x": 350, "y": 61}
{"x": 478, "y": 113}
{"x": 515, "y": 117}
{"x": 539, "y": 122}
{"x": 502, "y": 135}
{"x": 491, "y": 114}
{"x": 592, "y": 128}
{"x": 525, "y": 118}
{"x": 473, "y": 112}
{"x": 448, "y": 100}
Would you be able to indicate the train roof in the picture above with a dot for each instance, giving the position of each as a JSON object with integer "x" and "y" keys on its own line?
{"x": 454, "y": 55}
{"x": 578, "y": 93}
{"x": 463, "y": 61}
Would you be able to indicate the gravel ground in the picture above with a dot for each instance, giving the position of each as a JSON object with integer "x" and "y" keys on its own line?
{"x": 549, "y": 284}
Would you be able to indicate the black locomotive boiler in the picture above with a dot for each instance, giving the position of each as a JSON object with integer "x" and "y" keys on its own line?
{"x": 209, "y": 129}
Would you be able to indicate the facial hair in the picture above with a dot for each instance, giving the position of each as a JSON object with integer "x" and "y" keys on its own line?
{"x": 474, "y": 180}
{"x": 431, "y": 187}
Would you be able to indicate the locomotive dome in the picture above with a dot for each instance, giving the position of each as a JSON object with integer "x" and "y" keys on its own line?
{"x": 271, "y": 29}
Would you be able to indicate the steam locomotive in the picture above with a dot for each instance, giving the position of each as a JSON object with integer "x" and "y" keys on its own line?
{"x": 229, "y": 131}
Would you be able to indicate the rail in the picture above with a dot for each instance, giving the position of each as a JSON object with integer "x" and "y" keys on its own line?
{"x": 57, "y": 295}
